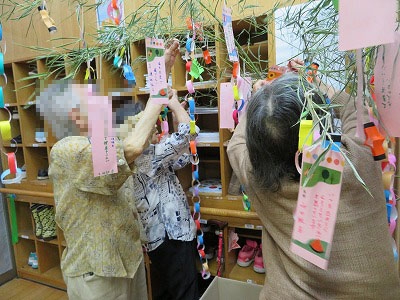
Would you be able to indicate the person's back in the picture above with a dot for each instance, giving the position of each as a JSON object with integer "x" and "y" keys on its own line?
{"x": 361, "y": 264}
{"x": 163, "y": 207}
{"x": 97, "y": 214}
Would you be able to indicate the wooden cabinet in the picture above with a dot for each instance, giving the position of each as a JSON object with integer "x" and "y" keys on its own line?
{"x": 48, "y": 252}
{"x": 31, "y": 145}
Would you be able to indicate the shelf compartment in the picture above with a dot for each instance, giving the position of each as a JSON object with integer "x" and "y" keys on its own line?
{"x": 208, "y": 153}
{"x": 24, "y": 219}
{"x": 258, "y": 55}
{"x": 32, "y": 122}
{"x": 55, "y": 68}
{"x": 48, "y": 256}
{"x": 36, "y": 159}
{"x": 207, "y": 122}
{"x": 19, "y": 155}
{"x": 24, "y": 87}
{"x": 250, "y": 30}
{"x": 115, "y": 79}
{"x": 54, "y": 273}
{"x": 9, "y": 94}
{"x": 209, "y": 171}
{"x": 14, "y": 123}
{"x": 22, "y": 250}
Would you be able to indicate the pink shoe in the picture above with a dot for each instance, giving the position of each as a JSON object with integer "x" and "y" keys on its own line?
{"x": 247, "y": 253}
{"x": 258, "y": 262}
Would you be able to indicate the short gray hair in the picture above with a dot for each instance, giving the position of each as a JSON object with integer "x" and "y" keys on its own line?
{"x": 55, "y": 103}
{"x": 272, "y": 130}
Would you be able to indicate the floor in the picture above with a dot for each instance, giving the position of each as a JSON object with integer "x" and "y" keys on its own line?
{"x": 21, "y": 289}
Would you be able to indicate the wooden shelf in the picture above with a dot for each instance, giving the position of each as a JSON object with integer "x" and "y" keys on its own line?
{"x": 27, "y": 269}
{"x": 246, "y": 274}
{"x": 26, "y": 234}
{"x": 205, "y": 144}
{"x": 53, "y": 241}
{"x": 10, "y": 105}
{"x": 36, "y": 145}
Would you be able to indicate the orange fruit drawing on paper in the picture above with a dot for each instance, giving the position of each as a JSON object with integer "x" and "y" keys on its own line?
{"x": 163, "y": 92}
{"x": 316, "y": 245}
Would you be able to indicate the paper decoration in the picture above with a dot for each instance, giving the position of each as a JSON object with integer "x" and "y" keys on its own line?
{"x": 387, "y": 86}
{"x": 245, "y": 88}
{"x": 317, "y": 206}
{"x": 226, "y": 106}
{"x": 108, "y": 15}
{"x": 104, "y": 151}
{"x": 5, "y": 129}
{"x": 369, "y": 24}
{"x": 156, "y": 70}
{"x": 233, "y": 240}
{"x": 228, "y": 32}
{"x": 196, "y": 69}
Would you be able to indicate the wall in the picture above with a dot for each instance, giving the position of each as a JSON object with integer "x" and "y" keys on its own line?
{"x": 7, "y": 269}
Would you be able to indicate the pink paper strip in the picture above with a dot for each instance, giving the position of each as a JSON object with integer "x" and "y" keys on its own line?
{"x": 226, "y": 106}
{"x": 317, "y": 205}
{"x": 366, "y": 23}
{"x": 387, "y": 86}
{"x": 104, "y": 152}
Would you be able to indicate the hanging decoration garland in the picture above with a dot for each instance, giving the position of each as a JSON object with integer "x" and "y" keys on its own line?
{"x": 194, "y": 70}
{"x": 5, "y": 130}
{"x": 380, "y": 150}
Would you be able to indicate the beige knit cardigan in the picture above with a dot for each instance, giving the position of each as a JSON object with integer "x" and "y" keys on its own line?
{"x": 361, "y": 264}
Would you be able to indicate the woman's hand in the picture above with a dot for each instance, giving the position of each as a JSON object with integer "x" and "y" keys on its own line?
{"x": 295, "y": 64}
{"x": 170, "y": 54}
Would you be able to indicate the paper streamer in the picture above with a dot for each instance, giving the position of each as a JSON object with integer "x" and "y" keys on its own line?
{"x": 13, "y": 217}
{"x": 1, "y": 63}
{"x": 5, "y": 129}
{"x": 12, "y": 163}
{"x": 1, "y": 97}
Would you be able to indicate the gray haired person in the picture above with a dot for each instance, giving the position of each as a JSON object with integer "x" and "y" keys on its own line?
{"x": 103, "y": 258}
{"x": 262, "y": 151}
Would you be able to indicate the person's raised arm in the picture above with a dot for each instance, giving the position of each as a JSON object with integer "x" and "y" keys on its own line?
{"x": 138, "y": 139}
{"x": 180, "y": 114}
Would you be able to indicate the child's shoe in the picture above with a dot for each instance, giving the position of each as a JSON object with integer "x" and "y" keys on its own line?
{"x": 247, "y": 253}
{"x": 31, "y": 257}
{"x": 258, "y": 262}
{"x": 35, "y": 264}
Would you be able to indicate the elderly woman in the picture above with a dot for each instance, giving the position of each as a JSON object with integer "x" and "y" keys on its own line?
{"x": 262, "y": 152}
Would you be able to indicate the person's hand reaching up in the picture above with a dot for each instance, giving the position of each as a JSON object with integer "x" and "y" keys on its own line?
{"x": 170, "y": 54}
